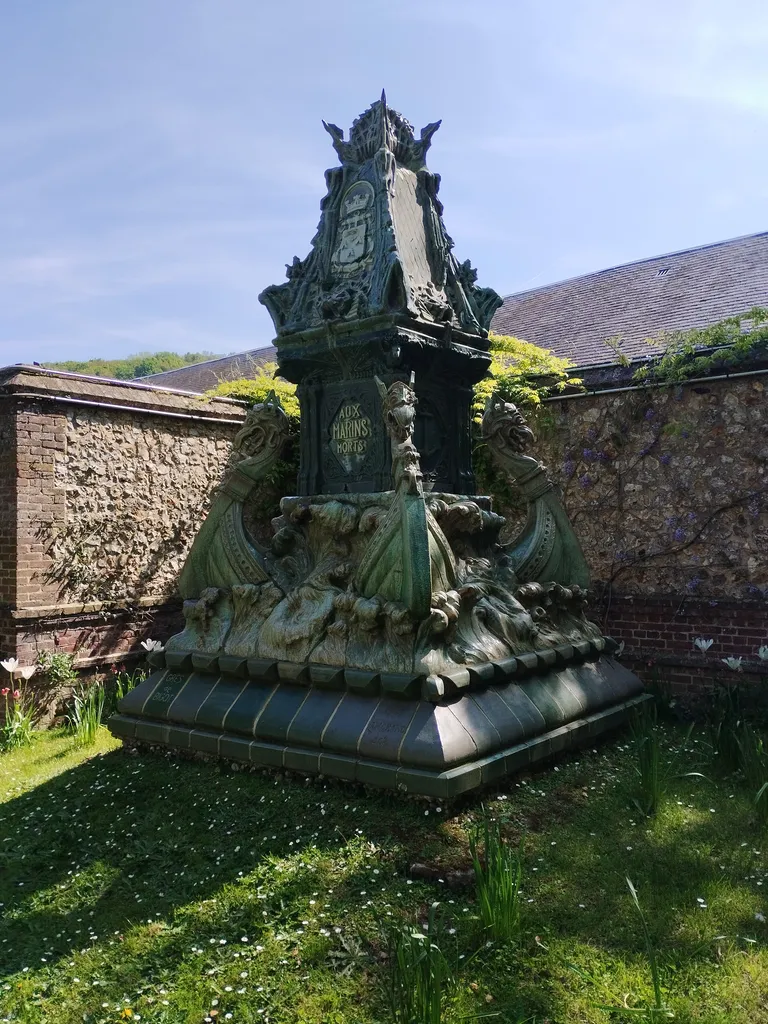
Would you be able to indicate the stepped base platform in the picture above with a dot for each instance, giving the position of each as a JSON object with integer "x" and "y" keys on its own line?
{"x": 307, "y": 719}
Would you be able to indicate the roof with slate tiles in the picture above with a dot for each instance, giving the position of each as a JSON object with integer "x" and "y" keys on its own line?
{"x": 636, "y": 301}
{"x": 631, "y": 303}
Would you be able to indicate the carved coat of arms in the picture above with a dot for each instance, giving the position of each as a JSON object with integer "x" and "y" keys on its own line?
{"x": 354, "y": 238}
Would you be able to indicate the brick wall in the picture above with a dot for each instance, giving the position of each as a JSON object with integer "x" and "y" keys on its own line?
{"x": 7, "y": 523}
{"x": 102, "y": 488}
{"x": 659, "y": 632}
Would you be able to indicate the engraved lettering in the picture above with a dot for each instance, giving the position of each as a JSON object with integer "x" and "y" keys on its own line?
{"x": 350, "y": 432}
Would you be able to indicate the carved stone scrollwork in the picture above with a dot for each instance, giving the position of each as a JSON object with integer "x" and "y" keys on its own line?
{"x": 547, "y": 549}
{"x": 223, "y": 553}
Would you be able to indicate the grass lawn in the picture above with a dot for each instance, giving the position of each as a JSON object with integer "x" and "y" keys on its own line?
{"x": 144, "y": 888}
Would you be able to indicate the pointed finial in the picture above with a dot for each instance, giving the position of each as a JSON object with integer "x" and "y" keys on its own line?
{"x": 384, "y": 119}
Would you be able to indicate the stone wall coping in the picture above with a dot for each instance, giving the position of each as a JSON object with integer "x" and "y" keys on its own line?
{"x": 74, "y": 388}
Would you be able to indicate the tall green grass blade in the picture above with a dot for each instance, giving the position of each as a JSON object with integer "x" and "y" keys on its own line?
{"x": 654, "y": 773}
{"x": 649, "y": 949}
{"x": 421, "y": 975}
{"x": 18, "y": 721}
{"x": 498, "y": 876}
{"x": 86, "y": 714}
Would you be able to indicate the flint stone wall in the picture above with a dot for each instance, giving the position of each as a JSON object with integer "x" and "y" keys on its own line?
{"x": 667, "y": 489}
{"x": 103, "y": 486}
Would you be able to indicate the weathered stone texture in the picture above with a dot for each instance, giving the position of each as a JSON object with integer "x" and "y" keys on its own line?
{"x": 137, "y": 490}
{"x": 102, "y": 487}
{"x": 667, "y": 488}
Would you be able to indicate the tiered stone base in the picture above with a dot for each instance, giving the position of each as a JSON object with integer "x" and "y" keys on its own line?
{"x": 416, "y": 746}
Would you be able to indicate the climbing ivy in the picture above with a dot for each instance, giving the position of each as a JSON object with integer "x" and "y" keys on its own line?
{"x": 724, "y": 346}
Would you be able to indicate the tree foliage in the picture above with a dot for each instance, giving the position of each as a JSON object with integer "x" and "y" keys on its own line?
{"x": 523, "y": 373}
{"x": 140, "y": 365}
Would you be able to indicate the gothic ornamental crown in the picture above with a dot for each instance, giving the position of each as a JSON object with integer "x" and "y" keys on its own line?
{"x": 381, "y": 127}
{"x": 357, "y": 201}
{"x": 381, "y": 249}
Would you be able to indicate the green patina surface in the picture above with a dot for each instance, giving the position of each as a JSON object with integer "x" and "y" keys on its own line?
{"x": 384, "y": 634}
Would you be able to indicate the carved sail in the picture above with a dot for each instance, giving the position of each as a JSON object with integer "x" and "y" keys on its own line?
{"x": 409, "y": 558}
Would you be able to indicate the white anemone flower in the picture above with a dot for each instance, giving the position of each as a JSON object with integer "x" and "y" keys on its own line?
{"x": 702, "y": 644}
{"x": 10, "y": 665}
{"x": 733, "y": 663}
{"x": 152, "y": 645}
{"x": 762, "y": 653}
{"x": 27, "y": 673}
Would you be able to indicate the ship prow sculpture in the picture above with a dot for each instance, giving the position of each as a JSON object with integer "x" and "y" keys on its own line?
{"x": 385, "y": 635}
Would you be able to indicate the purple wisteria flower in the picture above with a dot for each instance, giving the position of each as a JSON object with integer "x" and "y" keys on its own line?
{"x": 569, "y": 467}
{"x": 679, "y": 535}
{"x": 666, "y": 459}
{"x": 649, "y": 414}
{"x": 585, "y": 480}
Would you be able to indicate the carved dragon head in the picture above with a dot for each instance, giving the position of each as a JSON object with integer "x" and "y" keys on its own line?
{"x": 398, "y": 403}
{"x": 504, "y": 425}
{"x": 266, "y": 428}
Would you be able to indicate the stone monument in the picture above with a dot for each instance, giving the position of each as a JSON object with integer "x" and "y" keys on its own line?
{"x": 385, "y": 635}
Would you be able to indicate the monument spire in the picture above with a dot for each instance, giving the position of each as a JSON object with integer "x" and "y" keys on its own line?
{"x": 382, "y": 291}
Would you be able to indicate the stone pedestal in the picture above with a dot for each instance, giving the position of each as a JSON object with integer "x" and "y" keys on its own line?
{"x": 372, "y": 727}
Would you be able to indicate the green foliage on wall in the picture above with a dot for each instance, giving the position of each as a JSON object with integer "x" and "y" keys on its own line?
{"x": 255, "y": 389}
{"x": 722, "y": 347}
{"x": 140, "y": 365}
{"x": 523, "y": 373}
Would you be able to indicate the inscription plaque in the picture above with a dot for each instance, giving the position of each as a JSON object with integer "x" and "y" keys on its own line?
{"x": 351, "y": 434}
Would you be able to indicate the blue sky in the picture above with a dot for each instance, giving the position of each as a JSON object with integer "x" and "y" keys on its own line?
{"x": 161, "y": 160}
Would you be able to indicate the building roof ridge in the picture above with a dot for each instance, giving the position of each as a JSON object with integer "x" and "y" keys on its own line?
{"x": 636, "y": 263}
